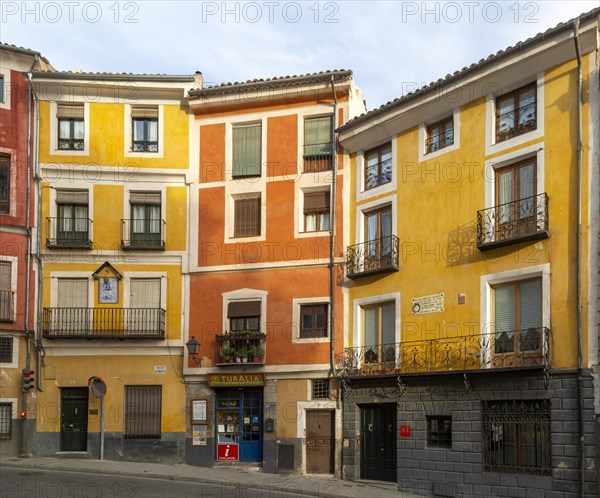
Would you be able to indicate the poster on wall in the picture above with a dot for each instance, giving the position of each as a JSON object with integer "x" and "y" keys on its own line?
{"x": 199, "y": 435}
{"x": 198, "y": 410}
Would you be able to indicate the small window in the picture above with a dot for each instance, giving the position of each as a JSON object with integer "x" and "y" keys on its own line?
{"x": 318, "y": 144}
{"x": 70, "y": 126}
{"x": 516, "y": 113}
{"x": 244, "y": 315}
{"x": 5, "y": 420}
{"x": 313, "y": 321}
{"x": 316, "y": 211}
{"x": 6, "y": 349}
{"x": 247, "y": 217}
{"x": 71, "y": 227}
{"x": 6, "y": 295}
{"x": 145, "y": 128}
{"x": 320, "y": 389}
{"x": 516, "y": 436}
{"x": 145, "y": 228}
{"x": 439, "y": 431}
{"x": 1, "y": 88}
{"x": 440, "y": 135}
{"x": 378, "y": 166}
{"x": 4, "y": 184}
{"x": 379, "y": 332}
{"x": 142, "y": 412}
{"x": 247, "y": 139}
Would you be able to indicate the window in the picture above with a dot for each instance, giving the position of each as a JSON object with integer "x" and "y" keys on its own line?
{"x": 439, "y": 431}
{"x": 247, "y": 150}
{"x": 440, "y": 135}
{"x": 316, "y": 211}
{"x": 6, "y": 349}
{"x": 313, "y": 321}
{"x": 378, "y": 228}
{"x": 518, "y": 316}
{"x": 70, "y": 126}
{"x": 5, "y": 420}
{"x": 244, "y": 315}
{"x": 4, "y": 184}
{"x": 378, "y": 166}
{"x": 247, "y": 217}
{"x": 72, "y": 224}
{"x": 320, "y": 389}
{"x": 515, "y": 194}
{"x": 145, "y": 128}
{"x": 516, "y": 112}
{"x": 516, "y": 436}
{"x": 142, "y": 412}
{"x": 318, "y": 144}
{"x": 379, "y": 332}
{"x": 146, "y": 226}
{"x": 2, "y": 96}
{"x": 6, "y": 292}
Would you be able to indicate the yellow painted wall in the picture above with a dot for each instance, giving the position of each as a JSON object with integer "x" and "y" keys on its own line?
{"x": 289, "y": 392}
{"x": 438, "y": 200}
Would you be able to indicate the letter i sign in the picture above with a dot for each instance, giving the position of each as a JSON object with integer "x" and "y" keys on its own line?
{"x": 405, "y": 431}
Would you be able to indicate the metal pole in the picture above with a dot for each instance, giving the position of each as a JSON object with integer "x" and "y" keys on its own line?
{"x": 102, "y": 428}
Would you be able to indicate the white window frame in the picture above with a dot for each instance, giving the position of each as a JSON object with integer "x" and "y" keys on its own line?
{"x": 493, "y": 147}
{"x": 299, "y": 222}
{"x": 128, "y": 276}
{"x": 14, "y": 362}
{"x": 12, "y": 179}
{"x": 53, "y": 145}
{"x": 74, "y": 185}
{"x": 423, "y": 136}
{"x": 361, "y": 193}
{"x": 6, "y": 98}
{"x": 14, "y": 270}
{"x": 363, "y": 209}
{"x": 128, "y": 132}
{"x": 146, "y": 187}
{"x": 230, "y": 216}
{"x": 297, "y": 318}
{"x": 358, "y": 320}
{"x": 245, "y": 295}
{"x": 301, "y": 119}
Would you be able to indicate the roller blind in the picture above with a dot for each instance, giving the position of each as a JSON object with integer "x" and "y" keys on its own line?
{"x": 247, "y": 149}
{"x": 69, "y": 111}
{"x": 247, "y": 217}
{"x": 239, "y": 309}
{"x": 388, "y": 323}
{"x": 145, "y": 293}
{"x": 144, "y": 198}
{"x": 316, "y": 201}
{"x": 371, "y": 325}
{"x": 72, "y": 197}
{"x": 144, "y": 112}
{"x": 72, "y": 293}
{"x": 530, "y": 304}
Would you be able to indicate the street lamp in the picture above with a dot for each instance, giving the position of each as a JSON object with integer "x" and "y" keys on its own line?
{"x": 193, "y": 347}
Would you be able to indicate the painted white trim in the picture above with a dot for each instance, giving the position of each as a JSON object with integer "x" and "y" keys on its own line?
{"x": 14, "y": 413}
{"x": 361, "y": 193}
{"x": 423, "y": 137}
{"x": 358, "y": 304}
{"x": 105, "y": 174}
{"x": 296, "y": 319}
{"x": 363, "y": 209}
{"x": 128, "y": 132}
{"x": 246, "y": 295}
{"x": 493, "y": 147}
{"x": 268, "y": 265}
{"x": 129, "y": 347}
{"x": 53, "y": 149}
{"x": 14, "y": 272}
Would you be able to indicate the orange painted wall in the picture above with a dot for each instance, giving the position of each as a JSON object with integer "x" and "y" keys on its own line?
{"x": 282, "y": 146}
{"x": 212, "y": 153}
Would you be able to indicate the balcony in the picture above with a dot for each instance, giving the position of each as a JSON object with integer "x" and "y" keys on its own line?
{"x": 513, "y": 349}
{"x": 103, "y": 323}
{"x": 7, "y": 299}
{"x": 233, "y": 348}
{"x": 372, "y": 257}
{"x": 69, "y": 233}
{"x": 147, "y": 234}
{"x": 318, "y": 157}
{"x": 518, "y": 221}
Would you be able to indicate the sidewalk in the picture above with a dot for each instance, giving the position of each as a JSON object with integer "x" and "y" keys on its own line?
{"x": 293, "y": 485}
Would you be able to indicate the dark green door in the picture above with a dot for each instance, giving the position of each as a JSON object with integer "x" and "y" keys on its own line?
{"x": 378, "y": 442}
{"x": 73, "y": 419}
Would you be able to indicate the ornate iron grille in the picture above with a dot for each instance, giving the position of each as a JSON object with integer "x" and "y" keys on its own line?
{"x": 71, "y": 232}
{"x": 70, "y": 144}
{"x": 142, "y": 412}
{"x": 5, "y": 420}
{"x": 143, "y": 234}
{"x": 439, "y": 431}
{"x": 371, "y": 257}
{"x": 240, "y": 347}
{"x": 439, "y": 141}
{"x": 517, "y": 221}
{"x": 320, "y": 388}
{"x": 516, "y": 436}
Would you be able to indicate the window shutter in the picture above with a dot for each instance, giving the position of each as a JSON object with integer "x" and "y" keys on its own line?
{"x": 240, "y": 309}
{"x": 504, "y": 308}
{"x": 316, "y": 201}
{"x": 145, "y": 293}
{"x": 247, "y": 217}
{"x": 530, "y": 304}
{"x": 144, "y": 112}
{"x": 371, "y": 316}
{"x": 246, "y": 149}
{"x": 152, "y": 198}
{"x": 317, "y": 135}
{"x": 72, "y": 197}
{"x": 388, "y": 323}
{"x": 5, "y": 275}
{"x": 72, "y": 293}
{"x": 69, "y": 111}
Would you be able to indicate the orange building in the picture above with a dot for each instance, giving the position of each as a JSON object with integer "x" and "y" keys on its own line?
{"x": 267, "y": 239}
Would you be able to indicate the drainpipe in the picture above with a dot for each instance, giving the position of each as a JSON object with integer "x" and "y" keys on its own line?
{"x": 578, "y": 264}
{"x": 332, "y": 235}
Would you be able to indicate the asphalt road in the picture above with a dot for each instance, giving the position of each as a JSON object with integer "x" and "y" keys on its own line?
{"x": 29, "y": 483}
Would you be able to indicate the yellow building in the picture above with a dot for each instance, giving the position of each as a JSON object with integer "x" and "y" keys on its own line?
{"x": 113, "y": 158}
{"x": 466, "y": 275}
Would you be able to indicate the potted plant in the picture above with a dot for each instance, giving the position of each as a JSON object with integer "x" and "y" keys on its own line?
{"x": 243, "y": 354}
{"x": 227, "y": 354}
{"x": 257, "y": 354}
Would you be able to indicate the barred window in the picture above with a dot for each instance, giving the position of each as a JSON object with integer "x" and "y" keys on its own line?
{"x": 6, "y": 349}
{"x": 516, "y": 436}
{"x": 142, "y": 412}
{"x": 439, "y": 431}
{"x": 320, "y": 389}
{"x": 5, "y": 420}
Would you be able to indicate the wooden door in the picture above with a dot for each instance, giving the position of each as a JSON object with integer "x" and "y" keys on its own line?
{"x": 320, "y": 441}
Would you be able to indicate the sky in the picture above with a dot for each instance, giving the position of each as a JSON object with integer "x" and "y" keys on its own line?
{"x": 392, "y": 47}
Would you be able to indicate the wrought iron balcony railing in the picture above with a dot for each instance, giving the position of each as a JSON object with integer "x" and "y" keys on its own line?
{"x": 145, "y": 146}
{"x": 103, "y": 323}
{"x": 7, "y": 299}
{"x": 439, "y": 141}
{"x": 519, "y": 348}
{"x": 371, "y": 257}
{"x": 69, "y": 232}
{"x": 318, "y": 157}
{"x": 71, "y": 144}
{"x": 518, "y": 221}
{"x": 240, "y": 347}
{"x": 143, "y": 234}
